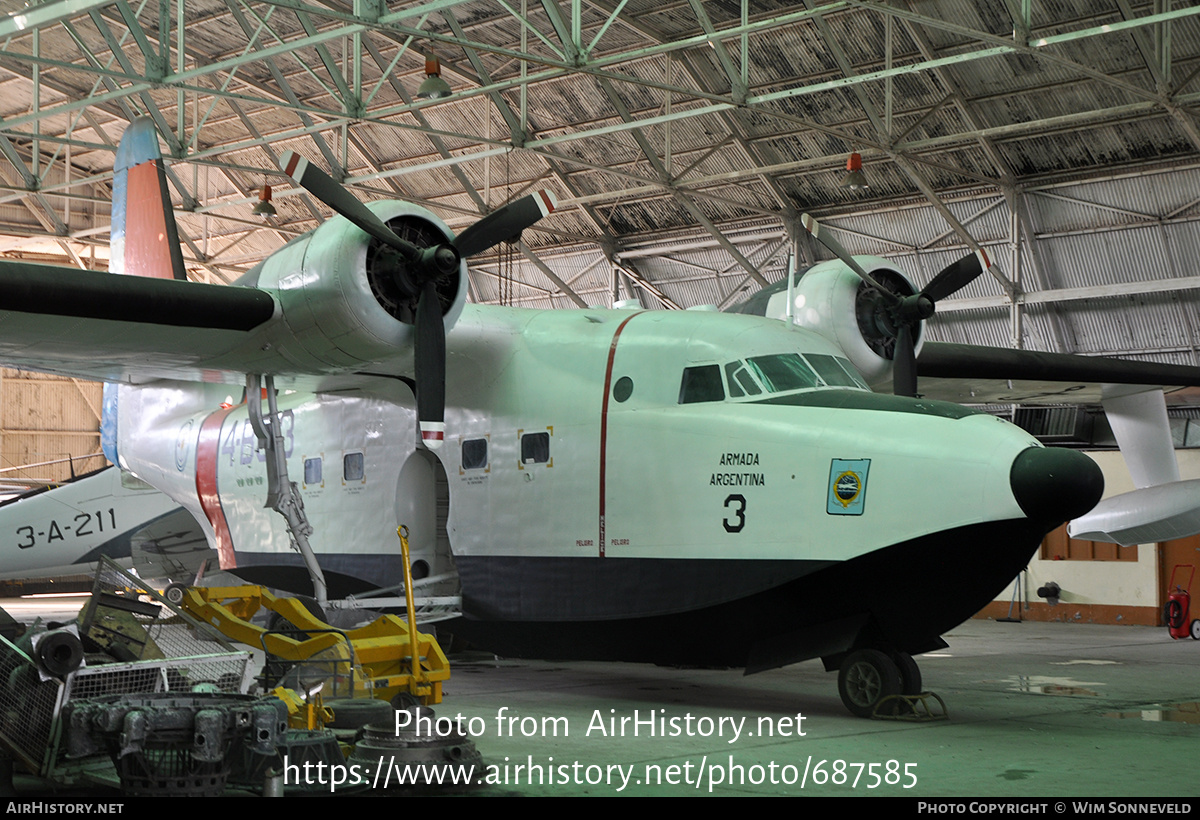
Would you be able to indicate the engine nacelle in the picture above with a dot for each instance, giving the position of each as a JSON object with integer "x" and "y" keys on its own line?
{"x": 833, "y": 301}
{"x": 341, "y": 308}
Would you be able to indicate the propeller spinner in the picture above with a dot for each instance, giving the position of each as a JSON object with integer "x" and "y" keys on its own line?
{"x": 905, "y": 313}
{"x": 416, "y": 271}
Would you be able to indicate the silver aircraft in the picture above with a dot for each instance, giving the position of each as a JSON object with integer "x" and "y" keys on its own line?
{"x": 684, "y": 487}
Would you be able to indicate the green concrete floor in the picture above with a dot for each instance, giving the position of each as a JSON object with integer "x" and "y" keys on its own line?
{"x": 1035, "y": 710}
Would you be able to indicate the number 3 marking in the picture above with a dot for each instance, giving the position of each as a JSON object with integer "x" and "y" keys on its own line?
{"x": 739, "y": 513}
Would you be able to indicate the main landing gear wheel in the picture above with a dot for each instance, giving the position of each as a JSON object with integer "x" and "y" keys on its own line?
{"x": 910, "y": 673}
{"x": 865, "y": 678}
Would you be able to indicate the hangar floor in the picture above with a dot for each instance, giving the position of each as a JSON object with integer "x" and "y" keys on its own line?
{"x": 1036, "y": 710}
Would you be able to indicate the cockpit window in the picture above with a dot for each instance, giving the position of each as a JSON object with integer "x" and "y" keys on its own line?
{"x": 787, "y": 372}
{"x": 833, "y": 373}
{"x": 783, "y": 371}
{"x": 763, "y": 375}
{"x": 741, "y": 383}
{"x": 701, "y": 384}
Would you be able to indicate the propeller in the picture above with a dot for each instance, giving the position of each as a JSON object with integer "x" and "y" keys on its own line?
{"x": 417, "y": 271}
{"x": 902, "y": 315}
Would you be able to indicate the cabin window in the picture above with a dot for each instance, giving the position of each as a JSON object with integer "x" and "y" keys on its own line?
{"x": 701, "y": 384}
{"x": 783, "y": 371}
{"x": 312, "y": 471}
{"x": 474, "y": 454}
{"x": 352, "y": 467}
{"x": 535, "y": 448}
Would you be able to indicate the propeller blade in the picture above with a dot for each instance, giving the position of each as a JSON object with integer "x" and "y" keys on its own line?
{"x": 813, "y": 227}
{"x": 430, "y": 361}
{"x": 957, "y": 275}
{"x": 904, "y": 364}
{"x": 323, "y": 187}
{"x": 505, "y": 223}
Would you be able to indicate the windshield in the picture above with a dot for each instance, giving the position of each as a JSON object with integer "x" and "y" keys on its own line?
{"x": 785, "y": 372}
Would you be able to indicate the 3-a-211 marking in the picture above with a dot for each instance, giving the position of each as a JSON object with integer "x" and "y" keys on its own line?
{"x": 83, "y": 524}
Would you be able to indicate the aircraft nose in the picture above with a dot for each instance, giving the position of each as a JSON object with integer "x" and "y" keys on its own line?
{"x": 1053, "y": 485}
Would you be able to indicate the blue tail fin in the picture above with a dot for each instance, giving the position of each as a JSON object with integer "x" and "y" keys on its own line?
{"x": 143, "y": 239}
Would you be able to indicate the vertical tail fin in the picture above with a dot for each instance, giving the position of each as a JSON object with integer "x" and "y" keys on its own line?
{"x": 144, "y": 240}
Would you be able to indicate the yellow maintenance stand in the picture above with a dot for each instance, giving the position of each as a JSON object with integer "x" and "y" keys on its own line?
{"x": 383, "y": 660}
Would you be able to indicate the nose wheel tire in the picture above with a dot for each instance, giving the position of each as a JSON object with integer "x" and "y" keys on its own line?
{"x": 866, "y": 677}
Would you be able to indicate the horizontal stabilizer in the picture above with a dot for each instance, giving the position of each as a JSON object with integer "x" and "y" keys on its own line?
{"x": 1146, "y": 516}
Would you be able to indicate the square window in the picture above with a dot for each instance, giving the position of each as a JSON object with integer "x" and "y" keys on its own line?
{"x": 312, "y": 471}
{"x": 352, "y": 467}
{"x": 474, "y": 454}
{"x": 535, "y": 448}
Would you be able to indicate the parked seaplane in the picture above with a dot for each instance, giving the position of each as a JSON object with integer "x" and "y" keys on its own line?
{"x": 687, "y": 487}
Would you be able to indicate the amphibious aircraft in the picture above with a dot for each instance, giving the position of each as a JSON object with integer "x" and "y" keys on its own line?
{"x": 687, "y": 487}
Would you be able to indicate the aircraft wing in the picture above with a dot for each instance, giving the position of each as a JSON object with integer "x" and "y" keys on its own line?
{"x": 969, "y": 374}
{"x": 107, "y": 327}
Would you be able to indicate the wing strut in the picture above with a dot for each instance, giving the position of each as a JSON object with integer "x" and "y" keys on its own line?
{"x": 282, "y": 494}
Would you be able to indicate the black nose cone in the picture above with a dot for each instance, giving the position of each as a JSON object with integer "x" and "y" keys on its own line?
{"x": 1053, "y": 485}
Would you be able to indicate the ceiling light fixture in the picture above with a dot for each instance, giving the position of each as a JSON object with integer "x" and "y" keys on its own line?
{"x": 264, "y": 208}
{"x": 854, "y": 179}
{"x": 434, "y": 87}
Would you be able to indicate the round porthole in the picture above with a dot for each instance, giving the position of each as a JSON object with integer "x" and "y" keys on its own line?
{"x": 420, "y": 569}
{"x": 623, "y": 389}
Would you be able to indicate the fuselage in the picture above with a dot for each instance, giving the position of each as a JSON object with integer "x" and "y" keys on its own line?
{"x": 599, "y": 467}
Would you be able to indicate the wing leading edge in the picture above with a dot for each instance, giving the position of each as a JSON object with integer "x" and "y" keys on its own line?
{"x": 102, "y": 326}
{"x": 990, "y": 375}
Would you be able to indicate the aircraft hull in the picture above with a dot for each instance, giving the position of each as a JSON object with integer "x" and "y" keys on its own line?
{"x": 904, "y": 596}
{"x": 768, "y": 613}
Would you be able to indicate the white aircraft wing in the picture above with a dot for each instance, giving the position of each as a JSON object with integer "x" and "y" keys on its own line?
{"x": 106, "y": 327}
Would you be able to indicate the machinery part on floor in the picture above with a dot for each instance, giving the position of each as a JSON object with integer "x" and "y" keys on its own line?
{"x": 420, "y": 744}
{"x": 355, "y": 713}
{"x": 149, "y": 647}
{"x": 57, "y": 652}
{"x": 175, "y": 744}
{"x": 299, "y": 751}
{"x": 376, "y": 660}
{"x": 305, "y": 711}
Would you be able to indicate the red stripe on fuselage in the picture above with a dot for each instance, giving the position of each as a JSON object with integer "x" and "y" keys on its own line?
{"x": 612, "y": 353}
{"x": 206, "y": 484}
{"x": 147, "y": 248}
